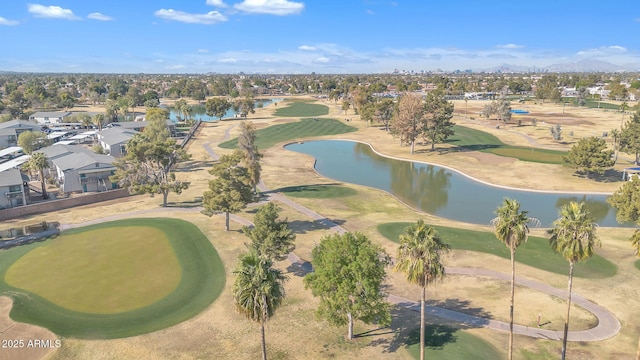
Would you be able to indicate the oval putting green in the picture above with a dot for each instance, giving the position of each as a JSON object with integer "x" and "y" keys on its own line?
{"x": 115, "y": 279}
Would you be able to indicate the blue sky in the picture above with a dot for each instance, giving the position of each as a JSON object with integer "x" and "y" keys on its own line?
{"x": 322, "y": 36}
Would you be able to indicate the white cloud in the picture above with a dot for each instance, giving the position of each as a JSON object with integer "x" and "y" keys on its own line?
{"x": 322, "y": 60}
{"x": 603, "y": 51}
{"x": 228, "y": 61}
{"x": 99, "y": 16}
{"x": 271, "y": 7}
{"x": 510, "y": 46}
{"x": 53, "y": 12}
{"x": 8, "y": 22}
{"x": 306, "y": 48}
{"x": 212, "y": 17}
{"x": 174, "y": 67}
{"x": 370, "y": 12}
{"x": 202, "y": 51}
{"x": 217, "y": 3}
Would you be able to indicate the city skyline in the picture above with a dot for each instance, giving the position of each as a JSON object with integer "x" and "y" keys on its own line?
{"x": 281, "y": 36}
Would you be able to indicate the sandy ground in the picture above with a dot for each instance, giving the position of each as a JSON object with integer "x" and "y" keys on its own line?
{"x": 21, "y": 341}
{"x": 294, "y": 332}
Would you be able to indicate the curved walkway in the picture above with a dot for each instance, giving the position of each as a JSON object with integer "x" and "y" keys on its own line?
{"x": 608, "y": 326}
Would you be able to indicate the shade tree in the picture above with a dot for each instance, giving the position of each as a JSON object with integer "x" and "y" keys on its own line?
{"x": 270, "y": 236}
{"x": 590, "y": 156}
{"x": 149, "y": 167}
{"x": 349, "y": 272}
{"x": 230, "y": 189}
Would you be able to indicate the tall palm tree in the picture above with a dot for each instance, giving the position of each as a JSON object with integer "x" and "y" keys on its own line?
{"x": 39, "y": 162}
{"x": 418, "y": 258}
{"x": 258, "y": 290}
{"x": 573, "y": 236}
{"x": 615, "y": 135}
{"x": 510, "y": 227}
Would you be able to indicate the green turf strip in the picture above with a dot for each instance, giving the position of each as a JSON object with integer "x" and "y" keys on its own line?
{"x": 302, "y": 109}
{"x": 201, "y": 283}
{"x": 318, "y": 191}
{"x": 308, "y": 127}
{"x": 535, "y": 252}
{"x": 471, "y": 139}
{"x": 444, "y": 342}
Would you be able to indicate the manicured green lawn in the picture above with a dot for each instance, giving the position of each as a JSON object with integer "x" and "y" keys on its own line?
{"x": 536, "y": 252}
{"x": 302, "y": 109}
{"x": 307, "y": 127}
{"x": 444, "y": 342}
{"x": 471, "y": 139}
{"x": 318, "y": 191}
{"x": 100, "y": 271}
{"x": 594, "y": 104}
{"x": 200, "y": 269}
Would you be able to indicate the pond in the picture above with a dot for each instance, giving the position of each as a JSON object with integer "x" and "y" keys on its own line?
{"x": 437, "y": 190}
{"x": 200, "y": 113}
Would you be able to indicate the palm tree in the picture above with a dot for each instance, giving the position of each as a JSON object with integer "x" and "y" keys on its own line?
{"x": 573, "y": 236}
{"x": 39, "y": 162}
{"x": 179, "y": 106}
{"x": 98, "y": 120}
{"x": 615, "y": 135}
{"x": 510, "y": 227}
{"x": 258, "y": 290}
{"x": 418, "y": 258}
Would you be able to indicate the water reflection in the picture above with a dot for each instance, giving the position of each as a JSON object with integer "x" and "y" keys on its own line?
{"x": 437, "y": 190}
{"x": 597, "y": 209}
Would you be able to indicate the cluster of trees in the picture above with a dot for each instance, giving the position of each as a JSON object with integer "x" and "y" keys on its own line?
{"x": 501, "y": 108}
{"x": 429, "y": 118}
{"x": 218, "y": 106}
{"x": 22, "y": 94}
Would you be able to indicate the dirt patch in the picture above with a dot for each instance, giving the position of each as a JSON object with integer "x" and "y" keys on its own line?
{"x": 23, "y": 341}
{"x": 491, "y": 159}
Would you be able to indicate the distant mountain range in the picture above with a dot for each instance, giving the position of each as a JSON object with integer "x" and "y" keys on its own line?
{"x": 586, "y": 65}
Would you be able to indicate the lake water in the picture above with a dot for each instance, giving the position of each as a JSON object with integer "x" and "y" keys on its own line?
{"x": 437, "y": 190}
{"x": 200, "y": 113}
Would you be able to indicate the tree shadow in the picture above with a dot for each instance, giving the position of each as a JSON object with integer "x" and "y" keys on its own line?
{"x": 405, "y": 325}
{"x": 305, "y": 226}
{"x": 300, "y": 268}
{"x": 190, "y": 166}
{"x": 610, "y": 175}
{"x": 186, "y": 204}
{"x": 462, "y": 306}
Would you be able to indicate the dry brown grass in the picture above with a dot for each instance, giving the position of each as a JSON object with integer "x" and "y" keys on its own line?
{"x": 294, "y": 333}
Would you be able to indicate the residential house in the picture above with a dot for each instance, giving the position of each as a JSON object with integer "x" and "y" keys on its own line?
{"x": 50, "y": 117}
{"x": 10, "y": 130}
{"x": 140, "y": 125}
{"x": 78, "y": 169}
{"x": 14, "y": 189}
{"x": 114, "y": 140}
